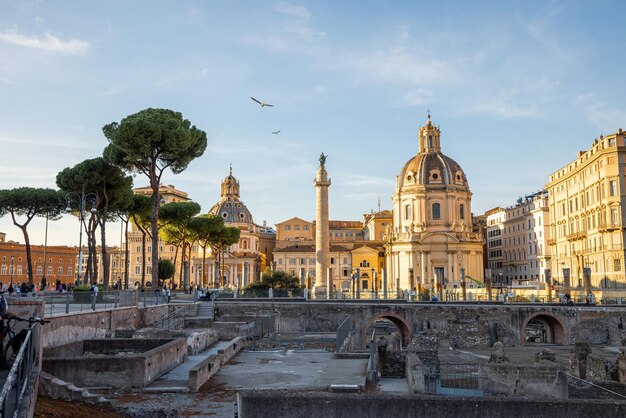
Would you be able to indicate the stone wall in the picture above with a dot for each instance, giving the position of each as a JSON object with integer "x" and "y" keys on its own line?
{"x": 120, "y": 370}
{"x": 66, "y": 328}
{"x": 292, "y": 404}
{"x": 458, "y": 325}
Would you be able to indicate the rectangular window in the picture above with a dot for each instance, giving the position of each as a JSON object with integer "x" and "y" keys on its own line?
{"x": 302, "y": 261}
{"x": 39, "y": 269}
{"x": 612, "y": 188}
{"x": 617, "y": 264}
{"x": 49, "y": 270}
{"x": 287, "y": 227}
{"x": 69, "y": 271}
{"x": 292, "y": 261}
{"x": 462, "y": 211}
{"x": 332, "y": 260}
{"x": 296, "y": 228}
{"x": 311, "y": 261}
{"x": 137, "y": 269}
{"x": 60, "y": 271}
{"x": 305, "y": 227}
{"x": 280, "y": 261}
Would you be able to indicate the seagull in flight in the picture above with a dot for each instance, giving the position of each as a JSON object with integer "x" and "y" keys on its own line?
{"x": 261, "y": 103}
{"x": 276, "y": 132}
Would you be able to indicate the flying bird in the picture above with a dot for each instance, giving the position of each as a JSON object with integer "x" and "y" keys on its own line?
{"x": 276, "y": 132}
{"x": 261, "y": 103}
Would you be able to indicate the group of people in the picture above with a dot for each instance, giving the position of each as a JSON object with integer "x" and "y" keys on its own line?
{"x": 20, "y": 289}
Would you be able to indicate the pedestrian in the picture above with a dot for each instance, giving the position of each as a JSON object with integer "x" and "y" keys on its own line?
{"x": 10, "y": 289}
{"x": 44, "y": 283}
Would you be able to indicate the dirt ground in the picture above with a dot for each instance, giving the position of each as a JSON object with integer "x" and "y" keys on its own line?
{"x": 52, "y": 408}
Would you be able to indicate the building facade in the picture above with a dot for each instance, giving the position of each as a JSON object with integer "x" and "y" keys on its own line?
{"x": 431, "y": 244}
{"x": 53, "y": 262}
{"x": 493, "y": 236}
{"x": 586, "y": 217}
{"x": 244, "y": 261}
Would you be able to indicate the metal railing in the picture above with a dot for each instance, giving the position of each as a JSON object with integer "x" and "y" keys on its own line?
{"x": 173, "y": 320}
{"x": 466, "y": 380}
{"x": 57, "y": 303}
{"x": 344, "y": 331}
{"x": 19, "y": 378}
{"x": 573, "y": 387}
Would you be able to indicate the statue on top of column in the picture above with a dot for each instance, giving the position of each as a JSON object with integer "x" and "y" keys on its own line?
{"x": 323, "y": 160}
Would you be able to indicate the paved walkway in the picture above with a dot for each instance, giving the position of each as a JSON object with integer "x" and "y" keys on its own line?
{"x": 177, "y": 379}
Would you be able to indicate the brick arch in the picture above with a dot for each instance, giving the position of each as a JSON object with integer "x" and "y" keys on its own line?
{"x": 398, "y": 321}
{"x": 556, "y": 331}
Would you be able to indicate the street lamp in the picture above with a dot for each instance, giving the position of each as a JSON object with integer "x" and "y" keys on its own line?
{"x": 81, "y": 199}
{"x": 12, "y": 269}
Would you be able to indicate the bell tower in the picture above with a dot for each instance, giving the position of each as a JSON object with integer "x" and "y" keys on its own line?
{"x": 230, "y": 186}
{"x": 429, "y": 138}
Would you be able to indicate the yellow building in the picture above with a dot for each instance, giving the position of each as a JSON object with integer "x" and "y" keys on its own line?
{"x": 586, "y": 217}
{"x": 168, "y": 194}
{"x": 349, "y": 250}
{"x": 431, "y": 244}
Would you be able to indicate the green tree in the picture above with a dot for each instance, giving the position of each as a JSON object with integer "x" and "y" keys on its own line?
{"x": 150, "y": 142}
{"x": 204, "y": 230}
{"x": 174, "y": 218}
{"x": 275, "y": 280}
{"x": 140, "y": 213}
{"x": 165, "y": 271}
{"x": 225, "y": 237}
{"x": 30, "y": 202}
{"x": 113, "y": 193}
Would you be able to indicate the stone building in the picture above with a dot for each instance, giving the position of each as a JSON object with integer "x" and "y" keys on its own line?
{"x": 586, "y": 217}
{"x": 168, "y": 194}
{"x": 244, "y": 261}
{"x": 55, "y": 262}
{"x": 349, "y": 250}
{"x": 524, "y": 239}
{"x": 493, "y": 236}
{"x": 431, "y": 244}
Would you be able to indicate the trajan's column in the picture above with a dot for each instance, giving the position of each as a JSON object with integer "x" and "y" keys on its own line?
{"x": 322, "y": 237}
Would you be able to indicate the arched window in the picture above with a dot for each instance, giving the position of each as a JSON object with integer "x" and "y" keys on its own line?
{"x": 408, "y": 212}
{"x": 436, "y": 211}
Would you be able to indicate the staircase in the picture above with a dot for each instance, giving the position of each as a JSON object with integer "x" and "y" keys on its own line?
{"x": 204, "y": 316}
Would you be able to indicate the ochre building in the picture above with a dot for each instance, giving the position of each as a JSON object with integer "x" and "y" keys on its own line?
{"x": 431, "y": 244}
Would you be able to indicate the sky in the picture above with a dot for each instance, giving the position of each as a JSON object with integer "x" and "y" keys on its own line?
{"x": 517, "y": 87}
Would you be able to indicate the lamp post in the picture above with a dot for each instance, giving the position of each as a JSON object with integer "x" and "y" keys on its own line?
{"x": 82, "y": 199}
{"x": 12, "y": 269}
{"x": 374, "y": 284}
{"x": 500, "y": 281}
{"x": 45, "y": 249}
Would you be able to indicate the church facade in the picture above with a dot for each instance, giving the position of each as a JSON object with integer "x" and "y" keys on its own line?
{"x": 430, "y": 244}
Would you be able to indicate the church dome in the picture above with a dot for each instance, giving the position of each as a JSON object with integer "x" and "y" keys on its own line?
{"x": 430, "y": 167}
{"x": 230, "y": 207}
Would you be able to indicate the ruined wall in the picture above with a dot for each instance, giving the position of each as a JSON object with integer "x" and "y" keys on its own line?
{"x": 457, "y": 326}
{"x": 288, "y": 404}
{"x": 76, "y": 326}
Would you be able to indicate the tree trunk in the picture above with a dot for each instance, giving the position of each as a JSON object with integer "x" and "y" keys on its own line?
{"x": 126, "y": 261}
{"x": 143, "y": 259}
{"x": 29, "y": 261}
{"x": 94, "y": 252}
{"x": 154, "y": 216}
{"x": 103, "y": 250}
{"x": 205, "y": 278}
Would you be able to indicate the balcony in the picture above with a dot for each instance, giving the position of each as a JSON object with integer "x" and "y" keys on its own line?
{"x": 551, "y": 242}
{"x": 576, "y": 236}
{"x": 609, "y": 226}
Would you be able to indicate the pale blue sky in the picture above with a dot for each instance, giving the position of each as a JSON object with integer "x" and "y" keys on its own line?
{"x": 518, "y": 87}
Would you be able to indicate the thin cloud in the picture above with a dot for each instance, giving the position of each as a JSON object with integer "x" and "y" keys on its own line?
{"x": 609, "y": 119}
{"x": 292, "y": 10}
{"x": 503, "y": 109}
{"x": 48, "y": 43}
